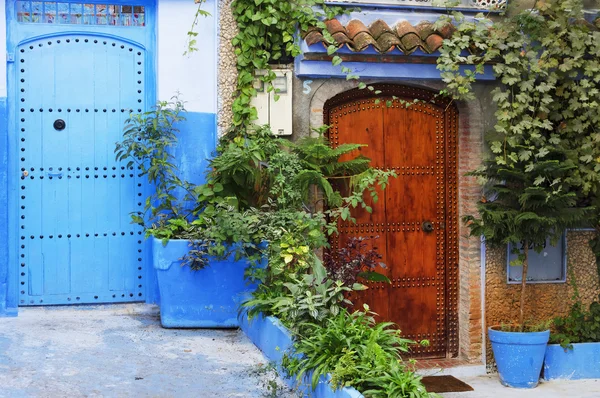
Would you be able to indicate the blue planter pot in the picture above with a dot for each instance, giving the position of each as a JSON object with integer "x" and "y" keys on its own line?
{"x": 208, "y": 298}
{"x": 519, "y": 356}
{"x": 581, "y": 362}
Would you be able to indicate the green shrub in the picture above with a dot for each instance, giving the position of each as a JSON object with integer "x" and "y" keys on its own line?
{"x": 578, "y": 326}
{"x": 358, "y": 352}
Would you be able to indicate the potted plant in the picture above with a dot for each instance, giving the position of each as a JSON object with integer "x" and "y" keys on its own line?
{"x": 524, "y": 212}
{"x": 200, "y": 281}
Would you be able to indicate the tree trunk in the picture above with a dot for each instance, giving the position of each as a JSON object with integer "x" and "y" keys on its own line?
{"x": 523, "y": 285}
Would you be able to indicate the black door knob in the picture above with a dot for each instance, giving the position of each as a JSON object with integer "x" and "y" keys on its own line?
{"x": 59, "y": 124}
{"x": 427, "y": 226}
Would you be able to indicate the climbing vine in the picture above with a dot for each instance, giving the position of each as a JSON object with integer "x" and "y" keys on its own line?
{"x": 544, "y": 170}
{"x": 267, "y": 35}
{"x": 546, "y": 60}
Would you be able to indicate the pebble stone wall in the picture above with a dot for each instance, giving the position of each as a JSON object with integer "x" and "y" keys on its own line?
{"x": 227, "y": 66}
{"x": 544, "y": 301}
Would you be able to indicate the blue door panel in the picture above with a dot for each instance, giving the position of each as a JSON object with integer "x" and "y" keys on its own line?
{"x": 76, "y": 242}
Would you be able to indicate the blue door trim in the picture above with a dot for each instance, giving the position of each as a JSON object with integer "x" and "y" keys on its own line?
{"x": 81, "y": 33}
{"x": 9, "y": 288}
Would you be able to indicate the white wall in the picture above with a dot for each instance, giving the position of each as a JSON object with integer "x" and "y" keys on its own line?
{"x": 2, "y": 48}
{"x": 195, "y": 75}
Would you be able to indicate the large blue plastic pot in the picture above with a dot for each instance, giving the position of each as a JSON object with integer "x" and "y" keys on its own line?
{"x": 208, "y": 298}
{"x": 519, "y": 356}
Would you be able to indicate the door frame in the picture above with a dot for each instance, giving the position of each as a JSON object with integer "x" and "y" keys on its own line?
{"x": 12, "y": 299}
{"x": 451, "y": 254}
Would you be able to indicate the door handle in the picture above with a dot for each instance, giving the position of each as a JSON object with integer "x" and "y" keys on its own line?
{"x": 58, "y": 174}
{"x": 427, "y": 226}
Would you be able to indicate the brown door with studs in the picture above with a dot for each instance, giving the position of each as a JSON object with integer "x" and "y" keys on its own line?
{"x": 415, "y": 216}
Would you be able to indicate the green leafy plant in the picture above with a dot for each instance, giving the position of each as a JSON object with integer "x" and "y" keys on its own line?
{"x": 524, "y": 213}
{"x": 357, "y": 351}
{"x": 266, "y": 35}
{"x": 264, "y": 193}
{"x": 148, "y": 141}
{"x": 579, "y": 325}
{"x": 304, "y": 300}
{"x": 393, "y": 380}
{"x": 543, "y": 173}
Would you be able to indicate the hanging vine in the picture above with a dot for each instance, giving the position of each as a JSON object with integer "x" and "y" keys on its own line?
{"x": 267, "y": 35}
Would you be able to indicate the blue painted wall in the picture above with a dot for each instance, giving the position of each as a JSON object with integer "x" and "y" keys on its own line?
{"x": 7, "y": 300}
{"x": 194, "y": 79}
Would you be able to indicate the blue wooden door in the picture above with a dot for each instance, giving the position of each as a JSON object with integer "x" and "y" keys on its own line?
{"x": 79, "y": 71}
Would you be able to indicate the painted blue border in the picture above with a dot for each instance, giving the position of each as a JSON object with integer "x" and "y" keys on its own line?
{"x": 373, "y": 70}
{"x": 274, "y": 340}
{"x": 8, "y": 144}
{"x": 7, "y": 308}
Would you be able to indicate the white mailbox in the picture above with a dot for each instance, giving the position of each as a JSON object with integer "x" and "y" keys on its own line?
{"x": 278, "y": 114}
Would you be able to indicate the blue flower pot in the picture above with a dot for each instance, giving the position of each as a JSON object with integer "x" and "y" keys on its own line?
{"x": 519, "y": 356}
{"x": 207, "y": 298}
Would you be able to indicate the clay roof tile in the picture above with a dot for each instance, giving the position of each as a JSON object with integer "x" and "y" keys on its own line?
{"x": 313, "y": 37}
{"x": 341, "y": 38}
{"x": 378, "y": 28}
{"x": 404, "y": 28}
{"x": 447, "y": 30}
{"x": 403, "y": 35}
{"x": 355, "y": 27}
{"x": 334, "y": 26}
{"x": 434, "y": 42}
{"x": 387, "y": 42}
{"x": 424, "y": 29}
{"x": 362, "y": 40}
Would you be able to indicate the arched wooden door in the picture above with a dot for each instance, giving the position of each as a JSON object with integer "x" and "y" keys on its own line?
{"x": 415, "y": 217}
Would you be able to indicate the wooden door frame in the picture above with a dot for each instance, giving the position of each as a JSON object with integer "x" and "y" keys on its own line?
{"x": 451, "y": 254}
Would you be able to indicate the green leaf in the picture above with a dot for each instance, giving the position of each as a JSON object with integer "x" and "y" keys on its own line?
{"x": 374, "y": 276}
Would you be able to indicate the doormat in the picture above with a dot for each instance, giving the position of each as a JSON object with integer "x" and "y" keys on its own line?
{"x": 442, "y": 384}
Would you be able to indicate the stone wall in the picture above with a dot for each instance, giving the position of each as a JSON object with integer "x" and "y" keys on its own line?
{"x": 544, "y": 301}
{"x": 227, "y": 78}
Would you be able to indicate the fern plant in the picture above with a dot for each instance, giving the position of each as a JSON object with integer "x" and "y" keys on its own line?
{"x": 324, "y": 165}
{"x": 354, "y": 349}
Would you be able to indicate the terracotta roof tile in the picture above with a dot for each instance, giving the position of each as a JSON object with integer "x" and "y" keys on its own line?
{"x": 334, "y": 26}
{"x": 383, "y": 38}
{"x": 355, "y": 27}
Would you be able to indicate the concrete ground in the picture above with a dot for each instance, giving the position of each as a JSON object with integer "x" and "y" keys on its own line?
{"x": 122, "y": 351}
{"x": 489, "y": 387}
